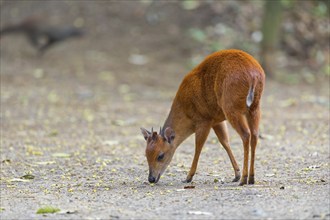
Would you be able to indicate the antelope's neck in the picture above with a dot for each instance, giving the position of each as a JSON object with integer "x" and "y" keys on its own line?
{"x": 179, "y": 122}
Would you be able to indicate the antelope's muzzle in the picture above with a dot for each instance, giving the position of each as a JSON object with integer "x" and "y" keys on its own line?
{"x": 152, "y": 179}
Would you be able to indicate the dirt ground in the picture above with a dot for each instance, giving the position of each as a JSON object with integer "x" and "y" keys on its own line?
{"x": 71, "y": 120}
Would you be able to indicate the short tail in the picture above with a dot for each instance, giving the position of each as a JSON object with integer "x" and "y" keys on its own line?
{"x": 250, "y": 96}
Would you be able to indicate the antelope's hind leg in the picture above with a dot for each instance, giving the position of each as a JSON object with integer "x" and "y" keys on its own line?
{"x": 253, "y": 117}
{"x": 239, "y": 123}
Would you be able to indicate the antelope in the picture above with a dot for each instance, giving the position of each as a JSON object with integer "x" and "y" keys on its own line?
{"x": 226, "y": 86}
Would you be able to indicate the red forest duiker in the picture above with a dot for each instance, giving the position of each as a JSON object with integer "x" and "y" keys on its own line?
{"x": 227, "y": 85}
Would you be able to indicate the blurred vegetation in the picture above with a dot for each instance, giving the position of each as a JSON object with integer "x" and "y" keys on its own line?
{"x": 291, "y": 40}
{"x": 271, "y": 25}
{"x": 289, "y": 37}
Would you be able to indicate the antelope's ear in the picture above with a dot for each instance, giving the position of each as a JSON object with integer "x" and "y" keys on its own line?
{"x": 169, "y": 135}
{"x": 145, "y": 133}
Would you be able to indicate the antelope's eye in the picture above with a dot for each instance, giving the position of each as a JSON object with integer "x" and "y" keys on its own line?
{"x": 160, "y": 156}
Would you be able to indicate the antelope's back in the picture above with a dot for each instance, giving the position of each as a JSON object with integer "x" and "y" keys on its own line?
{"x": 224, "y": 75}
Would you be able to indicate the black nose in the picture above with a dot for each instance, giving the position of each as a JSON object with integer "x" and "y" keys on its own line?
{"x": 151, "y": 179}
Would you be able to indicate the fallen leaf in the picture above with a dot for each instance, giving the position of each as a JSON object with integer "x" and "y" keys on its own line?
{"x": 179, "y": 190}
{"x": 63, "y": 155}
{"x": 19, "y": 180}
{"x": 307, "y": 169}
{"x": 48, "y": 209}
{"x": 27, "y": 177}
{"x": 45, "y": 162}
{"x": 31, "y": 150}
{"x": 199, "y": 213}
{"x": 6, "y": 161}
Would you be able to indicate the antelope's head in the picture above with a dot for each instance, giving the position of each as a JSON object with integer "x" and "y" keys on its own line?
{"x": 159, "y": 151}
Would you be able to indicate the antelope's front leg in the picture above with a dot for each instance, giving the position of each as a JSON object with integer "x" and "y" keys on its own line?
{"x": 200, "y": 137}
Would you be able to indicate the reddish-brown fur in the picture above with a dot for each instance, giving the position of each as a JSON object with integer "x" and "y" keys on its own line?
{"x": 227, "y": 85}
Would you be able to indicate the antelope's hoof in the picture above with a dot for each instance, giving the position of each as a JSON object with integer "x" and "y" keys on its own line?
{"x": 236, "y": 178}
{"x": 188, "y": 179}
{"x": 251, "y": 180}
{"x": 243, "y": 181}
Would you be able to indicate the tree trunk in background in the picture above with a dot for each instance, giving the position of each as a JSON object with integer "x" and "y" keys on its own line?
{"x": 270, "y": 30}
